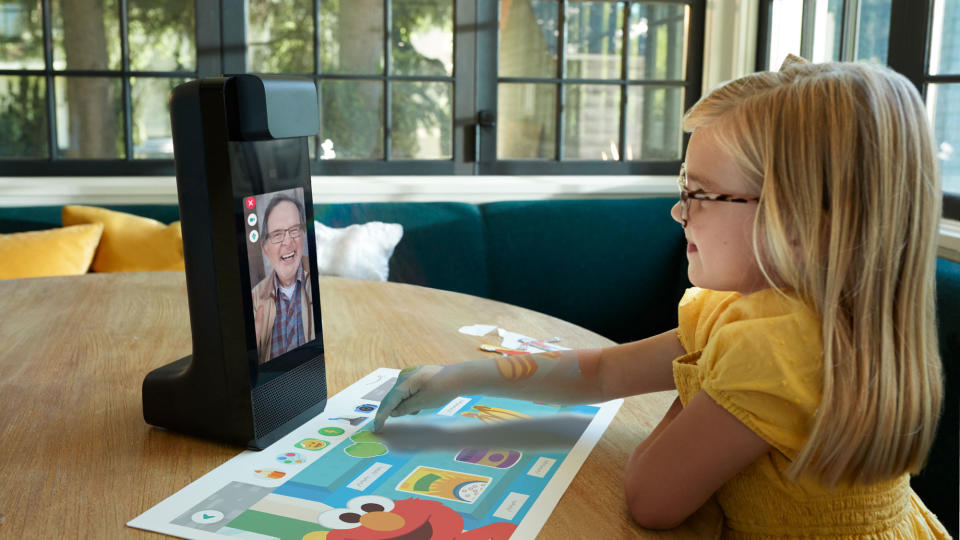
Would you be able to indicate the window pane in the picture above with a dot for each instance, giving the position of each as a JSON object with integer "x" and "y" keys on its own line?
{"x": 658, "y": 38}
{"x": 89, "y": 117}
{"x": 422, "y": 37}
{"x": 826, "y": 30}
{"x": 162, "y": 35}
{"x": 21, "y": 36}
{"x": 280, "y": 36}
{"x": 150, "y": 100}
{"x": 594, "y": 40}
{"x": 85, "y": 34}
{"x": 23, "y": 117}
{"x": 943, "y": 103}
{"x": 351, "y": 36}
{"x": 528, "y": 38}
{"x": 421, "y": 126}
{"x": 785, "y": 31}
{"x": 591, "y": 122}
{"x": 873, "y": 30}
{"x": 653, "y": 122}
{"x": 945, "y": 38}
{"x": 526, "y": 121}
{"x": 351, "y": 120}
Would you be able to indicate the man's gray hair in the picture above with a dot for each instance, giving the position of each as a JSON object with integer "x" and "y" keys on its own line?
{"x": 273, "y": 203}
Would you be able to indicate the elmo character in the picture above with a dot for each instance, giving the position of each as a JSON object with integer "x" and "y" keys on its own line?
{"x": 372, "y": 517}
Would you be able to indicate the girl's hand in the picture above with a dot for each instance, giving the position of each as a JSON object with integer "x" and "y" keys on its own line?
{"x": 417, "y": 388}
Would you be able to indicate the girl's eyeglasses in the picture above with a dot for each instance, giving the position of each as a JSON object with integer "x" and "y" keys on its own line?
{"x": 700, "y": 195}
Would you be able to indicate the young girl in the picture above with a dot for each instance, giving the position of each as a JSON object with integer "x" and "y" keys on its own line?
{"x": 805, "y": 359}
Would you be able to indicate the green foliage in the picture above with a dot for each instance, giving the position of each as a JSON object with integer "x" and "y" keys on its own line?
{"x": 281, "y": 36}
{"x": 167, "y": 24}
{"x": 23, "y": 117}
{"x": 352, "y": 114}
{"x": 353, "y": 119}
{"x": 418, "y": 105}
{"x": 26, "y": 46}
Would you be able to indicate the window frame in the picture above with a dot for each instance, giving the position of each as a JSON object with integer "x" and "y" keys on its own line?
{"x": 911, "y": 57}
{"x": 906, "y": 54}
{"x": 692, "y": 84}
{"x": 220, "y": 46}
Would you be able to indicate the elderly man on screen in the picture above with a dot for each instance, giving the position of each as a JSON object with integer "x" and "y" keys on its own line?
{"x": 283, "y": 301}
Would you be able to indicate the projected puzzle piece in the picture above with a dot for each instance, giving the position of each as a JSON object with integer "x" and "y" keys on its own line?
{"x": 367, "y": 444}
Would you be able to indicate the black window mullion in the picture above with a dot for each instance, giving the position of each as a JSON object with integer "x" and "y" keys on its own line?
{"x": 763, "y": 35}
{"x": 316, "y": 40}
{"x": 387, "y": 98}
{"x": 624, "y": 76}
{"x": 940, "y": 79}
{"x": 317, "y": 153}
{"x": 233, "y": 33}
{"x": 465, "y": 109}
{"x": 207, "y": 38}
{"x": 53, "y": 149}
{"x": 486, "y": 84}
{"x": 561, "y": 74}
{"x": 125, "y": 81}
{"x": 611, "y": 82}
{"x": 907, "y": 52}
{"x": 694, "y": 72}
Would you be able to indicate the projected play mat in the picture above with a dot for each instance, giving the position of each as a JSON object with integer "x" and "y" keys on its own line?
{"x": 334, "y": 478}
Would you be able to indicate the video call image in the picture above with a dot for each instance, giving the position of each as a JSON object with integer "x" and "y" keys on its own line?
{"x": 279, "y": 262}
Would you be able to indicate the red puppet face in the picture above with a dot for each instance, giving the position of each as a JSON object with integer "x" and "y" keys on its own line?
{"x": 372, "y": 517}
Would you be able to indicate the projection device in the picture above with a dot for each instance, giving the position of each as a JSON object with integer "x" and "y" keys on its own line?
{"x": 243, "y": 182}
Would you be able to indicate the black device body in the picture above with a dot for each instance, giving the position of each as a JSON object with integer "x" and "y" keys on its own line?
{"x": 236, "y": 138}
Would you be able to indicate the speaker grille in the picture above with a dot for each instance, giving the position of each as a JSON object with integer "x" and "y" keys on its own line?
{"x": 283, "y": 398}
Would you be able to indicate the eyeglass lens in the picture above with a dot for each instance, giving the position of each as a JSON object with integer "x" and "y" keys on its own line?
{"x": 277, "y": 236}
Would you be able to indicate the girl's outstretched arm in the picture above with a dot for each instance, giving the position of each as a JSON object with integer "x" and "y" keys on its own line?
{"x": 576, "y": 376}
{"x": 697, "y": 450}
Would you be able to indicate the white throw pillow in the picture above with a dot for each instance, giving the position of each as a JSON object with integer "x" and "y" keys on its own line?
{"x": 357, "y": 251}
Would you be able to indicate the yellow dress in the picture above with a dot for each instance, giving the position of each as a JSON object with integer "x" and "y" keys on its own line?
{"x": 759, "y": 356}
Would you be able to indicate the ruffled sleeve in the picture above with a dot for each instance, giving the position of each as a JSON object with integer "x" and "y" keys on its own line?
{"x": 763, "y": 364}
{"x": 697, "y": 314}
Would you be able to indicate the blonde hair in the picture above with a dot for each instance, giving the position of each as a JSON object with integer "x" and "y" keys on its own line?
{"x": 850, "y": 204}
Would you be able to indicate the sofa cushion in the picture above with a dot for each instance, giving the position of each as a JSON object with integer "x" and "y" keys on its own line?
{"x": 616, "y": 266}
{"x": 937, "y": 483}
{"x": 65, "y": 251}
{"x": 130, "y": 242}
{"x": 356, "y": 251}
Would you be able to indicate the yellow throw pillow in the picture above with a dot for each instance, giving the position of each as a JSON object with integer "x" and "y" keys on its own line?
{"x": 66, "y": 251}
{"x": 130, "y": 243}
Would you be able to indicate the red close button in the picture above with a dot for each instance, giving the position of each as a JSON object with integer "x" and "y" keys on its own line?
{"x": 250, "y": 202}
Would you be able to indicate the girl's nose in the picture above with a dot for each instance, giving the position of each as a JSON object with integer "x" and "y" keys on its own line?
{"x": 675, "y": 212}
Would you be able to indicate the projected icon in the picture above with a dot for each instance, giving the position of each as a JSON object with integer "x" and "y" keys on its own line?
{"x": 254, "y": 236}
{"x": 250, "y": 203}
{"x": 252, "y": 219}
{"x": 207, "y": 516}
{"x": 311, "y": 444}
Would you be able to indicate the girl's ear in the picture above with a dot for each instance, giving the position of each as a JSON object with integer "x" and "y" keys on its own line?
{"x": 792, "y": 59}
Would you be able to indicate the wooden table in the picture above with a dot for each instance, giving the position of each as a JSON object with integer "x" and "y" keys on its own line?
{"x": 77, "y": 459}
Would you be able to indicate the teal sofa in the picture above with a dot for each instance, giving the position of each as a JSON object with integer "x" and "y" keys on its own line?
{"x": 614, "y": 266}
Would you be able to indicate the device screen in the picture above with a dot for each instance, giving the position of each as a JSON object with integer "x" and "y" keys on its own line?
{"x": 272, "y": 189}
